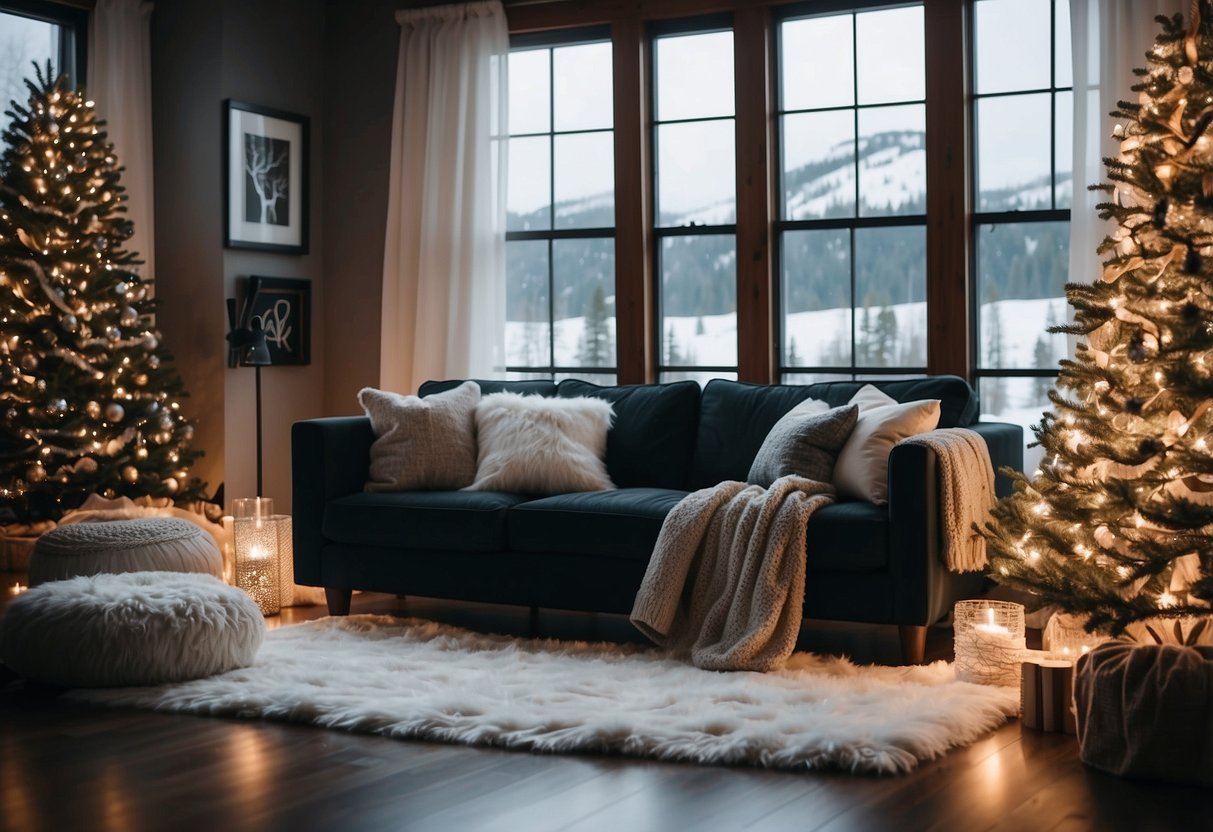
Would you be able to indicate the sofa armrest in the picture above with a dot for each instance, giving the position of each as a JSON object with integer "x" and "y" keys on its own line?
{"x": 914, "y": 531}
{"x": 1005, "y": 443}
{"x": 330, "y": 458}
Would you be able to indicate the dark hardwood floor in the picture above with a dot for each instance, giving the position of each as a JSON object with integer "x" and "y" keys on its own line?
{"x": 68, "y": 767}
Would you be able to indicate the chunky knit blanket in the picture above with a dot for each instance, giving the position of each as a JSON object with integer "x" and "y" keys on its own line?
{"x": 966, "y": 485}
{"x": 726, "y": 580}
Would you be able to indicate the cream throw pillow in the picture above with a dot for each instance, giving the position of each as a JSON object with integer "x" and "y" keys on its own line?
{"x": 541, "y": 445}
{"x": 862, "y": 469}
{"x": 422, "y": 443}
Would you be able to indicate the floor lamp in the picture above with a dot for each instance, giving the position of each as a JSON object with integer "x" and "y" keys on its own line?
{"x": 248, "y": 348}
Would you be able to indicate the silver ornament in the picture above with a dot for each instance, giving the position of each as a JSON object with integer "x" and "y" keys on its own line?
{"x": 130, "y": 473}
{"x": 150, "y": 342}
{"x": 166, "y": 421}
{"x": 87, "y": 465}
{"x": 170, "y": 485}
{"x": 29, "y": 361}
{"x": 113, "y": 333}
{"x": 11, "y": 414}
{"x": 187, "y": 432}
{"x": 101, "y": 243}
{"x": 153, "y": 407}
{"x": 129, "y": 316}
{"x": 121, "y": 288}
{"x": 153, "y": 361}
{"x": 114, "y": 412}
{"x": 56, "y": 407}
{"x": 69, "y": 323}
{"x": 93, "y": 410}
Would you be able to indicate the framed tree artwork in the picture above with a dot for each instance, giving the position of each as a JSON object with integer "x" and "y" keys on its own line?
{"x": 284, "y": 306}
{"x": 265, "y": 179}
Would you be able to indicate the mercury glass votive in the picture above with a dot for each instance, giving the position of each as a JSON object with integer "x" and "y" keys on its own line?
{"x": 257, "y": 561}
{"x": 989, "y": 642}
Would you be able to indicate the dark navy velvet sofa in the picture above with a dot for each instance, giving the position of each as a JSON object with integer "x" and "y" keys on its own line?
{"x": 588, "y": 551}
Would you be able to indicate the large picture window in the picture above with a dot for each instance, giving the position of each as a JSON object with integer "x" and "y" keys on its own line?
{"x": 560, "y": 248}
{"x": 696, "y": 206}
{"x": 851, "y": 233}
{"x": 1022, "y": 183}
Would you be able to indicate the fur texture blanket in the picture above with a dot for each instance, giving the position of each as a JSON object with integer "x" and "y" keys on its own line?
{"x": 726, "y": 580}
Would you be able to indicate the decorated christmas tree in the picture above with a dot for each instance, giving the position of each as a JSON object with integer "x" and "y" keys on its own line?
{"x": 1117, "y": 524}
{"x": 89, "y": 399}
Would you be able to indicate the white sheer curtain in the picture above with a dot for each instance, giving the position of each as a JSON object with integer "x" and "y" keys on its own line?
{"x": 1109, "y": 38}
{"x": 120, "y": 82}
{"x": 444, "y": 259}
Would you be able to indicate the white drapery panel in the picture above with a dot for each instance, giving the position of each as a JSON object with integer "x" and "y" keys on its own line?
{"x": 444, "y": 258}
{"x": 120, "y": 82}
{"x": 1109, "y": 38}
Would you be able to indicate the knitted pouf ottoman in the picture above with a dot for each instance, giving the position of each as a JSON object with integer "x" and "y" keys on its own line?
{"x": 138, "y": 628}
{"x": 146, "y": 544}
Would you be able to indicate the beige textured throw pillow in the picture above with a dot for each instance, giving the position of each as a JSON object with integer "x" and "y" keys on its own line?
{"x": 862, "y": 470}
{"x": 540, "y": 445}
{"x": 422, "y": 443}
{"x": 805, "y": 442}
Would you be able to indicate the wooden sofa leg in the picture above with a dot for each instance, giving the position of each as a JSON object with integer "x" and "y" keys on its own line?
{"x": 338, "y": 600}
{"x": 913, "y": 643}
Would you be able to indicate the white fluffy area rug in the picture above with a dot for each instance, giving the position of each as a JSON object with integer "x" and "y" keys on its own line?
{"x": 416, "y": 679}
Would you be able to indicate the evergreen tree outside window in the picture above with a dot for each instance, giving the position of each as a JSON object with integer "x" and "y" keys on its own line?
{"x": 1022, "y": 182}
{"x": 560, "y": 247}
{"x": 695, "y": 190}
{"x": 851, "y": 233}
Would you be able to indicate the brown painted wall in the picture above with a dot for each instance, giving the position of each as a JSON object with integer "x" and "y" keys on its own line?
{"x": 360, "y": 85}
{"x": 266, "y": 52}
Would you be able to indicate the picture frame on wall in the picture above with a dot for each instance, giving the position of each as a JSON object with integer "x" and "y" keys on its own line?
{"x": 265, "y": 179}
{"x": 284, "y": 306}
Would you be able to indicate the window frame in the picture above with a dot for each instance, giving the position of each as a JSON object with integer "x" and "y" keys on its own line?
{"x": 980, "y": 219}
{"x": 696, "y": 25}
{"x": 781, "y": 224}
{"x": 73, "y": 32}
{"x": 552, "y": 40}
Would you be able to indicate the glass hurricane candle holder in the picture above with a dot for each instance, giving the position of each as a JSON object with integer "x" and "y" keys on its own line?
{"x": 989, "y": 642}
{"x": 1064, "y": 638}
{"x": 257, "y": 567}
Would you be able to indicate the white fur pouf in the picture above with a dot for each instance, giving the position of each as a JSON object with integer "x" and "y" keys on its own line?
{"x": 138, "y": 628}
{"x": 144, "y": 544}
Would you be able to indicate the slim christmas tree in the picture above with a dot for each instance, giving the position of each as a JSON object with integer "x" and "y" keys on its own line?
{"x": 1117, "y": 525}
{"x": 89, "y": 400}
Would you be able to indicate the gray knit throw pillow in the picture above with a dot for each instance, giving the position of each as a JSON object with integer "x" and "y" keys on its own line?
{"x": 805, "y": 444}
{"x": 422, "y": 443}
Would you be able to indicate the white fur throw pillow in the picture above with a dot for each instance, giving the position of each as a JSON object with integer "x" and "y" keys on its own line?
{"x": 862, "y": 469}
{"x": 422, "y": 443}
{"x": 541, "y": 445}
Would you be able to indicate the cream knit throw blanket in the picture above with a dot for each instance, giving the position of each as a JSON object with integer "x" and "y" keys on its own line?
{"x": 966, "y": 485}
{"x": 726, "y": 580}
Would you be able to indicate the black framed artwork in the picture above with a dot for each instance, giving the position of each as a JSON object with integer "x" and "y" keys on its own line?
{"x": 265, "y": 179}
{"x": 284, "y": 306}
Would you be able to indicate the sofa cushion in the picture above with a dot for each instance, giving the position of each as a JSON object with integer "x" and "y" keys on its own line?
{"x": 958, "y": 405}
{"x": 619, "y": 524}
{"x": 805, "y": 442}
{"x": 850, "y": 536}
{"x": 734, "y": 420}
{"x": 529, "y": 387}
{"x": 421, "y": 443}
{"x": 653, "y": 436}
{"x": 465, "y": 521}
{"x": 541, "y": 445}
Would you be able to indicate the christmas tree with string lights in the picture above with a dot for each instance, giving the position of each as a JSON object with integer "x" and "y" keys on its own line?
{"x": 1117, "y": 524}
{"x": 89, "y": 399}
